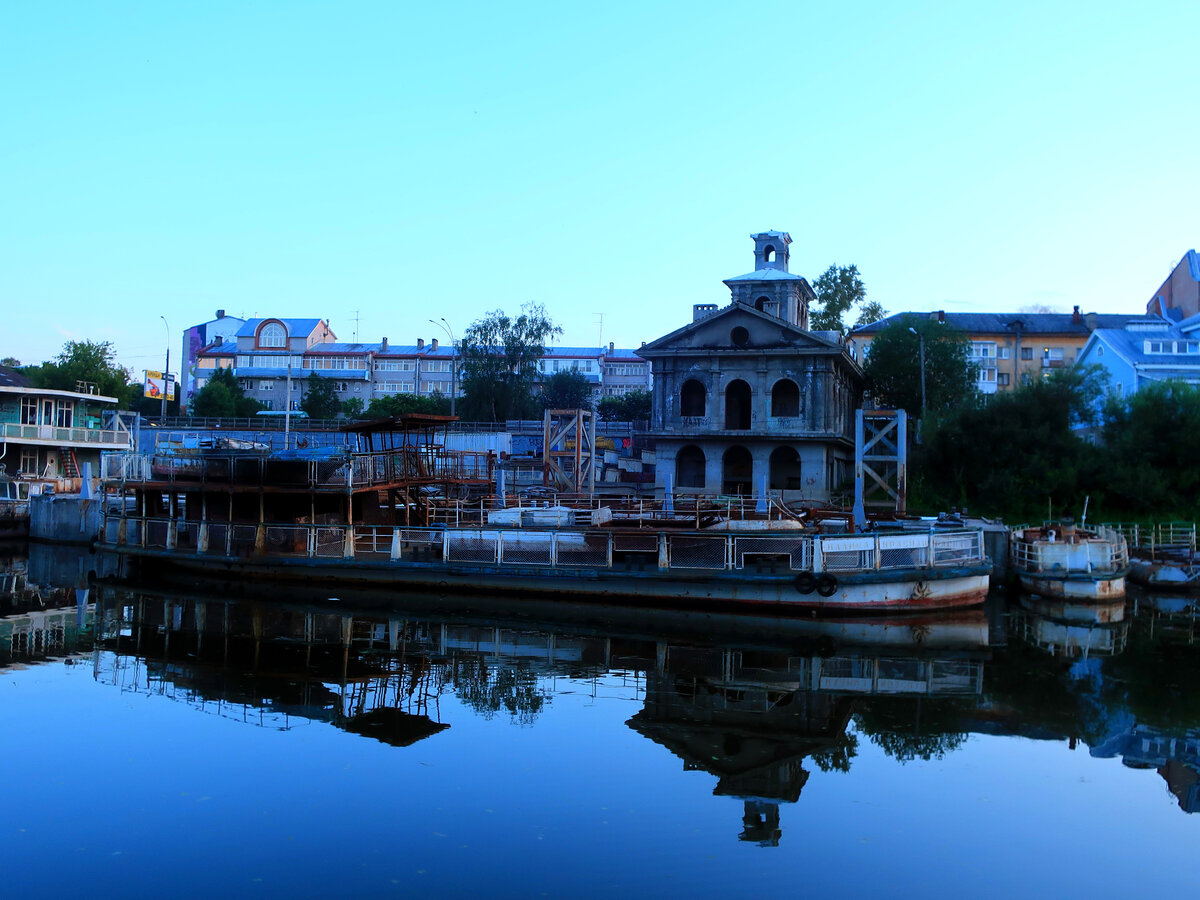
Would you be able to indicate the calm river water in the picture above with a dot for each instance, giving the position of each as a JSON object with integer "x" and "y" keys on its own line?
{"x": 203, "y": 740}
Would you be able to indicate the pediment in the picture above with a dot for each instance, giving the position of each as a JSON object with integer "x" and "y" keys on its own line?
{"x": 735, "y": 328}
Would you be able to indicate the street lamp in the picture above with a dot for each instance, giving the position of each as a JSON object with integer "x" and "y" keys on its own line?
{"x": 921, "y": 339}
{"x": 445, "y": 326}
{"x": 166, "y": 370}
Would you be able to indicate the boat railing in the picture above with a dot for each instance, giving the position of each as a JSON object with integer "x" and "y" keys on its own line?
{"x": 1158, "y": 536}
{"x": 559, "y": 547}
{"x": 700, "y": 509}
{"x": 1105, "y": 552}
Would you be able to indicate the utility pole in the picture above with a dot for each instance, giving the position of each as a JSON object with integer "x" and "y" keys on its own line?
{"x": 445, "y": 326}
{"x": 166, "y": 371}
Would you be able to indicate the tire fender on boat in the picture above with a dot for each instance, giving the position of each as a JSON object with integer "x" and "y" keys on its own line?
{"x": 806, "y": 582}
{"x": 827, "y": 585}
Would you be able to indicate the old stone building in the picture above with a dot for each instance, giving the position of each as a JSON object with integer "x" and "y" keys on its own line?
{"x": 747, "y": 398}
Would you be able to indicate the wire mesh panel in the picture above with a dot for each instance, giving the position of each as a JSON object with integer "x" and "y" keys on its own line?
{"x": 527, "y": 548}
{"x": 847, "y": 673}
{"x": 798, "y": 550}
{"x": 472, "y": 546}
{"x": 330, "y": 541}
{"x": 217, "y": 535}
{"x": 580, "y": 548}
{"x": 156, "y": 533}
{"x": 286, "y": 540}
{"x": 847, "y": 554}
{"x": 634, "y": 542}
{"x": 955, "y": 676}
{"x": 112, "y": 527}
{"x": 242, "y": 539}
{"x": 957, "y": 548}
{"x": 697, "y": 552}
{"x": 903, "y": 551}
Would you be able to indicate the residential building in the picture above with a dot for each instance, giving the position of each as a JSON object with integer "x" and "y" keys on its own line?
{"x": 1178, "y": 297}
{"x": 1146, "y": 350}
{"x": 51, "y": 434}
{"x": 1008, "y": 348}
{"x": 267, "y": 355}
{"x": 747, "y": 398}
{"x": 221, "y": 330}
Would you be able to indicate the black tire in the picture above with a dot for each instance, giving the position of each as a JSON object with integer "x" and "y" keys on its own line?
{"x": 806, "y": 582}
{"x": 827, "y": 585}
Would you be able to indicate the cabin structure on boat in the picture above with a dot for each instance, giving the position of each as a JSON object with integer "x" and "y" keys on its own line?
{"x": 747, "y": 399}
{"x": 50, "y": 434}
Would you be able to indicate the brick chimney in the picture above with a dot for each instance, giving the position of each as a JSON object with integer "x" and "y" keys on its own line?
{"x": 1076, "y": 318}
{"x": 611, "y": 347}
{"x": 383, "y": 345}
{"x": 420, "y": 343}
{"x": 700, "y": 310}
{"x": 433, "y": 345}
{"x": 220, "y": 313}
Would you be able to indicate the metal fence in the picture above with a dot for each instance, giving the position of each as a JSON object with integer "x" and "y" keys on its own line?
{"x": 1107, "y": 552}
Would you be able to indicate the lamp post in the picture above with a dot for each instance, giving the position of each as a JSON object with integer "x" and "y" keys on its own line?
{"x": 921, "y": 340}
{"x": 445, "y": 326}
{"x": 166, "y": 370}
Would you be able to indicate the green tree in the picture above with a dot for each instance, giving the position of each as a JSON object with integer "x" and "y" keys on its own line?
{"x": 500, "y": 363}
{"x": 1019, "y": 455}
{"x": 10, "y": 362}
{"x": 90, "y": 362}
{"x": 405, "y": 404}
{"x": 838, "y": 290}
{"x": 1149, "y": 442}
{"x": 893, "y": 365}
{"x": 870, "y": 312}
{"x": 632, "y": 406}
{"x": 222, "y": 397}
{"x": 566, "y": 390}
{"x": 352, "y": 408}
{"x": 320, "y": 399}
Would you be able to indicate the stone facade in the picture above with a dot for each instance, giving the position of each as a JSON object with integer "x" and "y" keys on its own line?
{"x": 747, "y": 399}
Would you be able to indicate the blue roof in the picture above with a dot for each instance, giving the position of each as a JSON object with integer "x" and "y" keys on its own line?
{"x": 1012, "y": 322}
{"x": 1130, "y": 344}
{"x": 295, "y": 327}
{"x": 222, "y": 347}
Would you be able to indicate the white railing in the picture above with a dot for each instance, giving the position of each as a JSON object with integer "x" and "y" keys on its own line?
{"x": 1106, "y": 552}
{"x": 556, "y": 547}
{"x": 64, "y": 436}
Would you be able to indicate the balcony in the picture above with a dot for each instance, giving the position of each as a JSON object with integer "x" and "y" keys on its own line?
{"x": 65, "y": 437}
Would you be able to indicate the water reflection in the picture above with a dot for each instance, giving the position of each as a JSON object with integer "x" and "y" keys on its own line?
{"x": 758, "y": 704}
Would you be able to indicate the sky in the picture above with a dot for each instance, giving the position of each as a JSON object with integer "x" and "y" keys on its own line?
{"x": 381, "y": 164}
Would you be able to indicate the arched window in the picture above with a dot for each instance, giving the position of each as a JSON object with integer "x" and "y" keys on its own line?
{"x": 273, "y": 334}
{"x": 769, "y": 253}
{"x": 689, "y": 467}
{"x": 785, "y": 398}
{"x": 692, "y": 398}
{"x": 785, "y": 469}
{"x": 737, "y": 471}
{"x": 761, "y": 303}
{"x": 737, "y": 406}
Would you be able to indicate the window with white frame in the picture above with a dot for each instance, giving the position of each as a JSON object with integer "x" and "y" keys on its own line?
{"x": 1002, "y": 352}
{"x": 272, "y": 335}
{"x": 266, "y": 385}
{"x": 983, "y": 349}
{"x": 64, "y": 413}
{"x": 29, "y": 408}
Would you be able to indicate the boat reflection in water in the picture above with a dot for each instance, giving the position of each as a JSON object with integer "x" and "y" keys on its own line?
{"x": 749, "y": 712}
{"x": 1070, "y": 629}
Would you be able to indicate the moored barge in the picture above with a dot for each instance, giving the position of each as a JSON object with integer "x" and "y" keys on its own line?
{"x": 401, "y": 511}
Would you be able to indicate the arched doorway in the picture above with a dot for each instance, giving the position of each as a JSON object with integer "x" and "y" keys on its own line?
{"x": 689, "y": 467}
{"x": 737, "y": 406}
{"x": 692, "y": 398}
{"x": 785, "y": 398}
{"x": 737, "y": 471}
{"x": 785, "y": 470}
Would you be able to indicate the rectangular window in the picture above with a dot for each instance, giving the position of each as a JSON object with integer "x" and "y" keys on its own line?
{"x": 1002, "y": 352}
{"x": 1052, "y": 352}
{"x": 28, "y": 411}
{"x": 1026, "y": 353}
{"x": 29, "y": 461}
{"x": 64, "y": 413}
{"x": 266, "y": 386}
{"x": 1002, "y": 379}
{"x": 983, "y": 349}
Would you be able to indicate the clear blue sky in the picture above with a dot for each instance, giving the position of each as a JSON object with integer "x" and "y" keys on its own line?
{"x": 411, "y": 161}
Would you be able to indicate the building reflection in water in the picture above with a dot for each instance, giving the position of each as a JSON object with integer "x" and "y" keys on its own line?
{"x": 758, "y": 704}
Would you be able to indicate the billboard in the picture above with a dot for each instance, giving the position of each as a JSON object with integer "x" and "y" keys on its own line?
{"x": 155, "y": 385}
